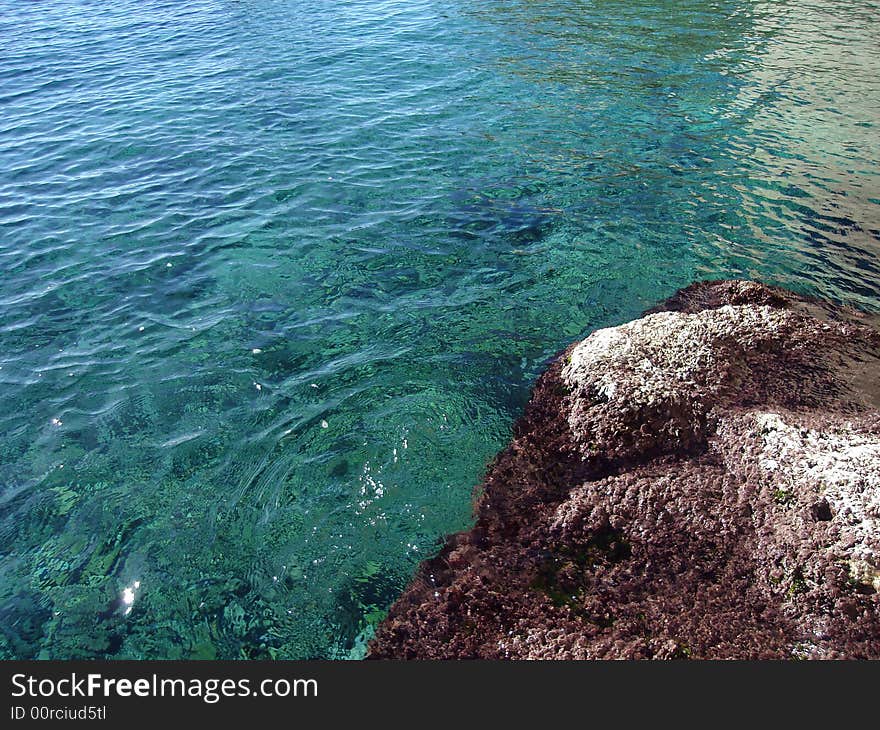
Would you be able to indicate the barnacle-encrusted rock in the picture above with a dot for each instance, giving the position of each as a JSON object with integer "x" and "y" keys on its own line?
{"x": 701, "y": 482}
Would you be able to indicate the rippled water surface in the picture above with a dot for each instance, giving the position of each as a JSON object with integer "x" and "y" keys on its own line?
{"x": 276, "y": 277}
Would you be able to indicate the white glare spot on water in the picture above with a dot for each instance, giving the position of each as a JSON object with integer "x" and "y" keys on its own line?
{"x": 324, "y": 424}
{"x": 141, "y": 328}
{"x": 371, "y": 489}
{"x": 258, "y": 386}
{"x": 128, "y": 596}
{"x": 56, "y": 421}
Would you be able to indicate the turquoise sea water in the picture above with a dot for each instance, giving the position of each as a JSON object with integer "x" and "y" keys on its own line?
{"x": 276, "y": 277}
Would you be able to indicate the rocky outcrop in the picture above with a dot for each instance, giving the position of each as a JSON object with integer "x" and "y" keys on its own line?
{"x": 703, "y": 482}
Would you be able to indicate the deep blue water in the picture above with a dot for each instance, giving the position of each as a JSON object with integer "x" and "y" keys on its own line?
{"x": 276, "y": 277}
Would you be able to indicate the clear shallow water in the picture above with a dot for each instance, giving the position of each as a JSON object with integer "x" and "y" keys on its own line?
{"x": 276, "y": 277}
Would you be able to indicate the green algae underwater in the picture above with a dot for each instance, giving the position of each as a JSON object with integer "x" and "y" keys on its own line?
{"x": 276, "y": 277}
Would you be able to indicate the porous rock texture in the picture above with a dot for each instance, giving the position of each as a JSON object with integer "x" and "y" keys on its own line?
{"x": 703, "y": 482}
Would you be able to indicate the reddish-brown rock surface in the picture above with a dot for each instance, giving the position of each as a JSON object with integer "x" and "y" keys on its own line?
{"x": 702, "y": 482}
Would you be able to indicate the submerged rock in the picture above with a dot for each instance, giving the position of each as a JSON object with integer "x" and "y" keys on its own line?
{"x": 702, "y": 482}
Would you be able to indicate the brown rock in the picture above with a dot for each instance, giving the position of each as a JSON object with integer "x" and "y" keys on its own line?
{"x": 703, "y": 482}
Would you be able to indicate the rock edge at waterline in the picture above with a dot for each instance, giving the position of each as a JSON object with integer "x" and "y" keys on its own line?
{"x": 702, "y": 482}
